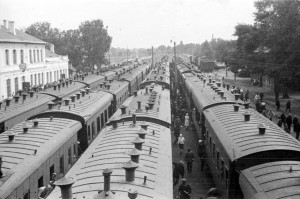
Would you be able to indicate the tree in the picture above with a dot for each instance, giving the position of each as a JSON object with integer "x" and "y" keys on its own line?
{"x": 96, "y": 42}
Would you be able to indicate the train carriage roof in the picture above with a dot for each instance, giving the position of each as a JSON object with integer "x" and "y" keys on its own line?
{"x": 115, "y": 86}
{"x": 84, "y": 108}
{"x": 19, "y": 157}
{"x": 240, "y": 138}
{"x": 271, "y": 181}
{"x": 15, "y": 109}
{"x": 91, "y": 78}
{"x": 110, "y": 150}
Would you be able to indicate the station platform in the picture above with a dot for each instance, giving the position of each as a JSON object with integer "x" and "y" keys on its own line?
{"x": 200, "y": 181}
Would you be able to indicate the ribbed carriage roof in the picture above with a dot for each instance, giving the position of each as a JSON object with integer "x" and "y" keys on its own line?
{"x": 241, "y": 138}
{"x": 86, "y": 106}
{"x": 161, "y": 109}
{"x": 63, "y": 91}
{"x": 273, "y": 180}
{"x": 91, "y": 78}
{"x": 19, "y": 161}
{"x": 16, "y": 109}
{"x": 110, "y": 150}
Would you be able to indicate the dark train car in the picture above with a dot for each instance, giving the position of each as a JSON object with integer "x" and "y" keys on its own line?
{"x": 137, "y": 141}
{"x": 274, "y": 180}
{"x": 32, "y": 151}
{"x": 26, "y": 104}
{"x": 238, "y": 140}
{"x": 90, "y": 108}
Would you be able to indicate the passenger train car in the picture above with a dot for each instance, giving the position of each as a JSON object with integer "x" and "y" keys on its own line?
{"x": 31, "y": 152}
{"x": 26, "y": 104}
{"x": 131, "y": 157}
{"x": 249, "y": 156}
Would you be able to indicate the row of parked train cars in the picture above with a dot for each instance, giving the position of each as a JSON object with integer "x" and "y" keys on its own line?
{"x": 46, "y": 131}
{"x": 249, "y": 156}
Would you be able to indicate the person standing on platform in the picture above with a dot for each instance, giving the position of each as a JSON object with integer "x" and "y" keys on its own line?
{"x": 189, "y": 158}
{"x": 184, "y": 190}
{"x": 177, "y": 172}
{"x": 289, "y": 122}
{"x": 201, "y": 153}
{"x": 283, "y": 118}
{"x": 181, "y": 141}
{"x": 187, "y": 121}
{"x": 295, "y": 121}
{"x": 288, "y": 106}
{"x": 278, "y": 105}
{"x": 297, "y": 129}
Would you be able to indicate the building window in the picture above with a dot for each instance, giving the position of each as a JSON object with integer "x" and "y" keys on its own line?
{"x": 16, "y": 84}
{"x": 42, "y": 56}
{"x": 39, "y": 79}
{"x": 38, "y": 55}
{"x": 22, "y": 56}
{"x": 14, "y": 57}
{"x": 47, "y": 77}
{"x": 93, "y": 129}
{"x": 23, "y": 78}
{"x": 70, "y": 156}
{"x": 98, "y": 124}
{"x": 61, "y": 164}
{"x": 8, "y": 86}
{"x": 105, "y": 116}
{"x": 89, "y": 133}
{"x": 35, "y": 79}
{"x": 102, "y": 120}
{"x": 7, "y": 57}
{"x": 34, "y": 56}
{"x": 31, "y": 80}
{"x": 50, "y": 77}
{"x": 42, "y": 78}
{"x": 30, "y": 56}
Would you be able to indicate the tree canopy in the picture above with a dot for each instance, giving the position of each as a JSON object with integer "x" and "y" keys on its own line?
{"x": 85, "y": 46}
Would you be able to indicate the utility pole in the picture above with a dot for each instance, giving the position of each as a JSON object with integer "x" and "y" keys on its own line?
{"x": 127, "y": 54}
{"x": 152, "y": 57}
{"x": 175, "y": 65}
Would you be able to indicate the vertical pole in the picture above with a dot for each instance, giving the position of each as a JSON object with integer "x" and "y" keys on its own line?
{"x": 175, "y": 66}
{"x": 152, "y": 57}
{"x": 127, "y": 54}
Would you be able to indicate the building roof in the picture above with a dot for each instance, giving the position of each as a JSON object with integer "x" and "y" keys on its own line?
{"x": 50, "y": 54}
{"x": 19, "y": 37}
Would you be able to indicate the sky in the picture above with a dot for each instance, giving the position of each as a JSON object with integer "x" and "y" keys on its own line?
{"x": 138, "y": 23}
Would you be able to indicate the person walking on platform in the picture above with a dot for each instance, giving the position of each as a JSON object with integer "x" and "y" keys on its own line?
{"x": 289, "y": 122}
{"x": 247, "y": 95}
{"x": 201, "y": 153}
{"x": 187, "y": 121}
{"x": 283, "y": 118}
{"x": 279, "y": 123}
{"x": 189, "y": 158}
{"x": 295, "y": 120}
{"x": 288, "y": 106}
{"x": 278, "y": 105}
{"x": 181, "y": 141}
{"x": 184, "y": 190}
{"x": 297, "y": 129}
{"x": 177, "y": 172}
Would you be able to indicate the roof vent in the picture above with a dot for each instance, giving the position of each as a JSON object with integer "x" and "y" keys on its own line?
{"x": 138, "y": 143}
{"x": 107, "y": 173}
{"x": 146, "y": 88}
{"x": 35, "y": 122}
{"x": 73, "y": 97}
{"x": 246, "y": 105}
{"x": 247, "y": 116}
{"x": 114, "y": 122}
{"x": 130, "y": 170}
{"x": 135, "y": 155}
{"x": 228, "y": 86}
{"x": 11, "y": 135}
{"x": 54, "y": 87}
{"x": 236, "y": 96}
{"x": 25, "y": 127}
{"x": 151, "y": 104}
{"x": 219, "y": 84}
{"x": 139, "y": 106}
{"x": 78, "y": 95}
{"x": 133, "y": 119}
{"x": 142, "y": 133}
{"x": 65, "y": 185}
{"x": 108, "y": 86}
{"x": 67, "y": 102}
{"x": 123, "y": 109}
{"x": 16, "y": 98}
{"x": 7, "y": 101}
{"x": 50, "y": 105}
{"x": 262, "y": 129}
{"x": 82, "y": 92}
{"x": 31, "y": 93}
{"x": 135, "y": 93}
{"x": 236, "y": 107}
{"x": 144, "y": 125}
{"x": 132, "y": 194}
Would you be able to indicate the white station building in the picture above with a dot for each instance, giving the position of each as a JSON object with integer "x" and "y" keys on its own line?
{"x": 25, "y": 61}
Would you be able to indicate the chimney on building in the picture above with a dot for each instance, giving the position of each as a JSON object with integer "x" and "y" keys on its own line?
{"x": 11, "y": 27}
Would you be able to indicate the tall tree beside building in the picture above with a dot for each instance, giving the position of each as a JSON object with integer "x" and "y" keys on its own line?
{"x": 96, "y": 42}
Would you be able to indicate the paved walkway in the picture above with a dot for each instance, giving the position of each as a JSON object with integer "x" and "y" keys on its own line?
{"x": 200, "y": 182}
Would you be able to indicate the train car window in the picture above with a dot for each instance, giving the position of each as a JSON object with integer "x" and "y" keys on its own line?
{"x": 98, "y": 124}
{"x": 226, "y": 177}
{"x": 93, "y": 129}
{"x": 222, "y": 169}
{"x": 105, "y": 115}
{"x": 218, "y": 156}
{"x": 41, "y": 182}
{"x": 61, "y": 164}
{"x": 51, "y": 171}
{"x": 102, "y": 120}
{"x": 214, "y": 150}
{"x": 70, "y": 156}
{"x": 27, "y": 195}
{"x": 210, "y": 144}
{"x": 89, "y": 133}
